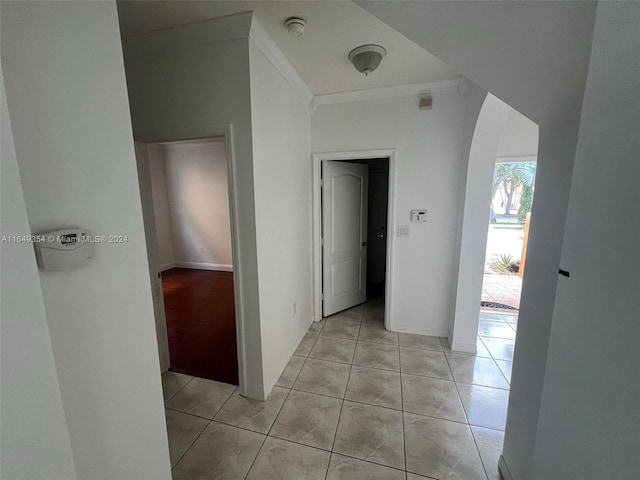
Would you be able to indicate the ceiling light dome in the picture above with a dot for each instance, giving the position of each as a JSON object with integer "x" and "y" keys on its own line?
{"x": 366, "y": 58}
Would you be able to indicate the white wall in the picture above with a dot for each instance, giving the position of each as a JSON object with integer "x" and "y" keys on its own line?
{"x": 161, "y": 210}
{"x": 429, "y": 164}
{"x": 589, "y": 425}
{"x": 198, "y": 197}
{"x": 67, "y": 100}
{"x": 34, "y": 437}
{"x": 519, "y": 137}
{"x": 282, "y": 173}
{"x": 168, "y": 105}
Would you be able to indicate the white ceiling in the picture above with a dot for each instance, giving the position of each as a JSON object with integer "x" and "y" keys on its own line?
{"x": 320, "y": 55}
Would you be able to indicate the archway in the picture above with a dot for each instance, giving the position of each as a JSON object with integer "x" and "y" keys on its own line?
{"x": 482, "y": 156}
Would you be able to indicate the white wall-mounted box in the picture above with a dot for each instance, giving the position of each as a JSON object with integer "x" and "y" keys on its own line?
{"x": 64, "y": 249}
{"x": 419, "y": 216}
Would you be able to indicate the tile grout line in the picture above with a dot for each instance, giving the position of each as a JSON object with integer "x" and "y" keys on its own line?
{"x": 404, "y": 439}
{"x": 467, "y": 417}
{"x": 191, "y": 445}
{"x": 292, "y": 389}
{"x": 187, "y": 413}
{"x": 326, "y": 475}
{"x": 264, "y": 440}
{"x": 485, "y": 347}
{"x": 504, "y": 374}
{"x": 268, "y": 434}
{"x": 346, "y": 454}
{"x": 210, "y": 421}
{"x": 256, "y": 457}
{"x": 180, "y": 389}
{"x": 458, "y": 392}
{"x": 285, "y": 400}
{"x": 341, "y": 408}
{"x": 480, "y": 384}
{"x": 297, "y": 443}
{"x": 335, "y": 434}
{"x": 484, "y": 467}
{"x": 360, "y": 402}
{"x": 196, "y": 416}
{"x": 497, "y": 338}
{"x": 194, "y": 441}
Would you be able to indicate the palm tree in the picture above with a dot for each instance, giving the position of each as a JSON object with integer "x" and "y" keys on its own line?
{"x": 510, "y": 176}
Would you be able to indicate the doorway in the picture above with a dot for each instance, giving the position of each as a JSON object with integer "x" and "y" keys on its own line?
{"x": 510, "y": 205}
{"x": 377, "y": 226}
{"x": 190, "y": 248}
{"x": 510, "y": 215}
{"x": 368, "y": 276}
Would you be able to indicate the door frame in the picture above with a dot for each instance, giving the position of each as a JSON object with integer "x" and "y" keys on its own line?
{"x": 225, "y": 131}
{"x": 317, "y": 159}
{"x": 151, "y": 243}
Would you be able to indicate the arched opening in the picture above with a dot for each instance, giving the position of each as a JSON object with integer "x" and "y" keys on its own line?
{"x": 482, "y": 156}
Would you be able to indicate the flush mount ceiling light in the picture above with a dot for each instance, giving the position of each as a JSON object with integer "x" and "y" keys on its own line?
{"x": 366, "y": 58}
{"x": 295, "y": 26}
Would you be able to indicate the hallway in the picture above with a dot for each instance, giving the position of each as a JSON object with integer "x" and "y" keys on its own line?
{"x": 355, "y": 401}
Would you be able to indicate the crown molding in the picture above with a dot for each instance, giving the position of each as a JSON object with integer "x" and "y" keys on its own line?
{"x": 195, "y": 142}
{"x": 263, "y": 41}
{"x": 313, "y": 105}
{"x": 220, "y": 29}
{"x": 385, "y": 92}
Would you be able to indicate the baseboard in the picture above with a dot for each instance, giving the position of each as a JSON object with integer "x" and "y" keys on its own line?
{"x": 167, "y": 266}
{"x": 205, "y": 266}
{"x": 504, "y": 469}
{"x": 464, "y": 347}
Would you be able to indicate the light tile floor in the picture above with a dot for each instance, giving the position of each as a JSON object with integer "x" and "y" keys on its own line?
{"x": 355, "y": 402}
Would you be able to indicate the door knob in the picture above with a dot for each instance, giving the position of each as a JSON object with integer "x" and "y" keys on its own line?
{"x": 381, "y": 235}
{"x": 364, "y": 244}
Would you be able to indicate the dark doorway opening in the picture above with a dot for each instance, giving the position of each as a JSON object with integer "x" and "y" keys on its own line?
{"x": 377, "y": 230}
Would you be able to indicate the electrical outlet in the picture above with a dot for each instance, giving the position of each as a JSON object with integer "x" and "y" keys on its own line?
{"x": 403, "y": 230}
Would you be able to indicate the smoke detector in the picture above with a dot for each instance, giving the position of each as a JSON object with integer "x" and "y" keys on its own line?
{"x": 295, "y": 26}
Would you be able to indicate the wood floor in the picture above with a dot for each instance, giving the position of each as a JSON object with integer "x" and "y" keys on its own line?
{"x": 200, "y": 313}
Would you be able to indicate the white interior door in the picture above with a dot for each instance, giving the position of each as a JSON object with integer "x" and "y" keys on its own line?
{"x": 344, "y": 234}
{"x": 144, "y": 180}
